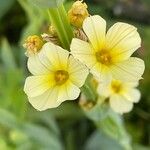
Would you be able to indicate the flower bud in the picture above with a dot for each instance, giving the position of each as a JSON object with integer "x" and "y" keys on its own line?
{"x": 52, "y": 31}
{"x": 85, "y": 104}
{"x": 78, "y": 13}
{"x": 33, "y": 44}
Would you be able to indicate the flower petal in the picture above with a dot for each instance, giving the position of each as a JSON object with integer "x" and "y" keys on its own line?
{"x": 129, "y": 70}
{"x": 122, "y": 39}
{"x": 119, "y": 104}
{"x": 36, "y": 85}
{"x": 132, "y": 84}
{"x": 54, "y": 56}
{"x": 49, "y": 99}
{"x": 103, "y": 89}
{"x": 133, "y": 95}
{"x": 95, "y": 29}
{"x": 36, "y": 67}
{"x": 82, "y": 51}
{"x": 68, "y": 91}
{"x": 101, "y": 72}
{"x": 77, "y": 72}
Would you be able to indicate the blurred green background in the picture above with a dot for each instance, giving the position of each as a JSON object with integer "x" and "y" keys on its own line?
{"x": 68, "y": 127}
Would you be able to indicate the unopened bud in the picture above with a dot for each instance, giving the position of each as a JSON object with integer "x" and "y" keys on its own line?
{"x": 52, "y": 30}
{"x": 33, "y": 44}
{"x": 78, "y": 13}
{"x": 86, "y": 104}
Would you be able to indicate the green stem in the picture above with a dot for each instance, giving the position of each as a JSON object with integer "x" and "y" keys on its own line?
{"x": 59, "y": 20}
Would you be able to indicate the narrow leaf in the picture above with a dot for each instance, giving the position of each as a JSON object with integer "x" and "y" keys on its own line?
{"x": 47, "y": 3}
{"x": 7, "y": 55}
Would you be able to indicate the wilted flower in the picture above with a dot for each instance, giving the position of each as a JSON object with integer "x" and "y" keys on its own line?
{"x": 108, "y": 54}
{"x": 33, "y": 44}
{"x": 57, "y": 77}
{"x": 121, "y": 94}
{"x": 78, "y": 33}
{"x": 51, "y": 38}
{"x": 78, "y": 13}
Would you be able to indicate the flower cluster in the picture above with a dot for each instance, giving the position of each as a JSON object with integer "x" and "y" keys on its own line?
{"x": 59, "y": 74}
{"x": 108, "y": 56}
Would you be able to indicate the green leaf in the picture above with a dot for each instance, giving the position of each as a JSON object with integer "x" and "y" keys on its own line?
{"x": 140, "y": 147}
{"x": 7, "y": 55}
{"x": 35, "y": 17}
{"x": 5, "y": 5}
{"x": 7, "y": 119}
{"x": 12, "y": 95}
{"x": 98, "y": 112}
{"x": 47, "y": 119}
{"x": 18, "y": 137}
{"x": 3, "y": 144}
{"x": 42, "y": 136}
{"x": 100, "y": 141}
{"x": 89, "y": 90}
{"x": 47, "y": 3}
{"x": 110, "y": 123}
{"x": 59, "y": 19}
{"x": 113, "y": 126}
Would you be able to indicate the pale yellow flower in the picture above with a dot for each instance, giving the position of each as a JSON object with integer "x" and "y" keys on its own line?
{"x": 121, "y": 94}
{"x": 57, "y": 77}
{"x": 108, "y": 54}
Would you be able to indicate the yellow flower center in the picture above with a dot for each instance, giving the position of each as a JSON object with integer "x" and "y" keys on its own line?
{"x": 61, "y": 76}
{"x": 116, "y": 86}
{"x": 104, "y": 57}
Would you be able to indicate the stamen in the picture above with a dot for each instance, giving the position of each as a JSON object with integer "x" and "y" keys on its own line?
{"x": 61, "y": 76}
{"x": 104, "y": 57}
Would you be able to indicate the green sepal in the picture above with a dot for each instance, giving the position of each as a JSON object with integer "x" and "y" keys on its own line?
{"x": 89, "y": 90}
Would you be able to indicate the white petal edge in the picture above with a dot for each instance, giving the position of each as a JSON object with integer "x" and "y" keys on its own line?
{"x": 133, "y": 95}
{"x": 95, "y": 29}
{"x": 119, "y": 104}
{"x": 82, "y": 51}
{"x": 122, "y": 39}
{"x": 130, "y": 70}
{"x": 103, "y": 89}
{"x": 54, "y": 56}
{"x": 36, "y": 85}
{"x": 49, "y": 99}
{"x": 132, "y": 84}
{"x": 36, "y": 67}
{"x": 101, "y": 72}
{"x": 77, "y": 71}
{"x": 68, "y": 91}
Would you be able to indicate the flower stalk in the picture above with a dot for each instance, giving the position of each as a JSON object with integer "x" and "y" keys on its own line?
{"x": 59, "y": 20}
